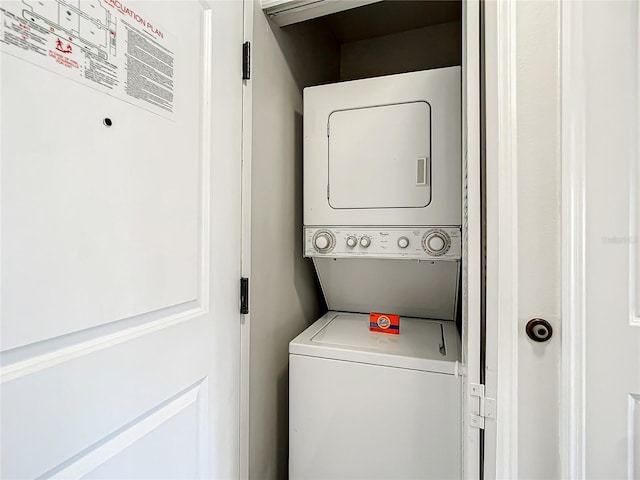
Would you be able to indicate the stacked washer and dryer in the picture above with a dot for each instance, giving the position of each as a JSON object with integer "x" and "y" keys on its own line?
{"x": 382, "y": 223}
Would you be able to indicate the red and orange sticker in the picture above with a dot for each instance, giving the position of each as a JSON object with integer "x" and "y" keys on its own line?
{"x": 384, "y": 323}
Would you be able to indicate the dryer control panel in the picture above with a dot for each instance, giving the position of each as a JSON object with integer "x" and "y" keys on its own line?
{"x": 422, "y": 243}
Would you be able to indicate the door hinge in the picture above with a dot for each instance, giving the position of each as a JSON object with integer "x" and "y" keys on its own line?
{"x": 246, "y": 60}
{"x": 486, "y": 407}
{"x": 244, "y": 295}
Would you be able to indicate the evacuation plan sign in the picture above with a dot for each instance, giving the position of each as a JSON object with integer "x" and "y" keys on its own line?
{"x": 103, "y": 44}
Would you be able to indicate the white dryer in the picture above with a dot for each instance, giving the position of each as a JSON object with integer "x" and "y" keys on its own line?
{"x": 384, "y": 151}
{"x": 382, "y": 192}
{"x": 366, "y": 405}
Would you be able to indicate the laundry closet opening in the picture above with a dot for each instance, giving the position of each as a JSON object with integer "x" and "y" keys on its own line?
{"x": 306, "y": 265}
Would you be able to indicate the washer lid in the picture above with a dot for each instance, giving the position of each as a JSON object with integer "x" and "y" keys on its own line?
{"x": 425, "y": 345}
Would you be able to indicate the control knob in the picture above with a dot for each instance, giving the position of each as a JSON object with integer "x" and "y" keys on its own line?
{"x": 403, "y": 242}
{"x": 323, "y": 241}
{"x": 436, "y": 242}
{"x": 352, "y": 241}
{"x": 365, "y": 241}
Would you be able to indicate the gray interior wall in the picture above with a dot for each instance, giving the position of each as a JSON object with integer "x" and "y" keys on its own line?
{"x": 435, "y": 46}
{"x": 284, "y": 297}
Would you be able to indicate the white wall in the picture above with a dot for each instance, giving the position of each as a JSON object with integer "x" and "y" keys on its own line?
{"x": 284, "y": 298}
{"x": 538, "y": 140}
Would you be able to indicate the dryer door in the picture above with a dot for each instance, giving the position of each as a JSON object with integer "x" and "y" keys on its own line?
{"x": 377, "y": 147}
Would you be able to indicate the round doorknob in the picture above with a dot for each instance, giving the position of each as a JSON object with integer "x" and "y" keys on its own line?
{"x": 539, "y": 330}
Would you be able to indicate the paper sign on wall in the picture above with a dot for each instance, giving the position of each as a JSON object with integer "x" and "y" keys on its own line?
{"x": 104, "y": 44}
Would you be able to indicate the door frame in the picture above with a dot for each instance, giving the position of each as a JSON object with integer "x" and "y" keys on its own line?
{"x": 245, "y": 262}
{"x": 500, "y": 130}
{"x": 501, "y": 439}
{"x": 573, "y": 145}
{"x": 472, "y": 232}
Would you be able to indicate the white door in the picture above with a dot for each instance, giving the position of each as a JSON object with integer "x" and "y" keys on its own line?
{"x": 601, "y": 344}
{"x": 120, "y": 247}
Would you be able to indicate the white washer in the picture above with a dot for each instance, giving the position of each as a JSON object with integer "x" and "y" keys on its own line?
{"x": 374, "y": 405}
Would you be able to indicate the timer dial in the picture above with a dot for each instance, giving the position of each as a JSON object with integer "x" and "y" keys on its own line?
{"x": 323, "y": 241}
{"x": 436, "y": 242}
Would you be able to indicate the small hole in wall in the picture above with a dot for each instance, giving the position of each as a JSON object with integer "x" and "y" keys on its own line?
{"x": 107, "y": 122}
